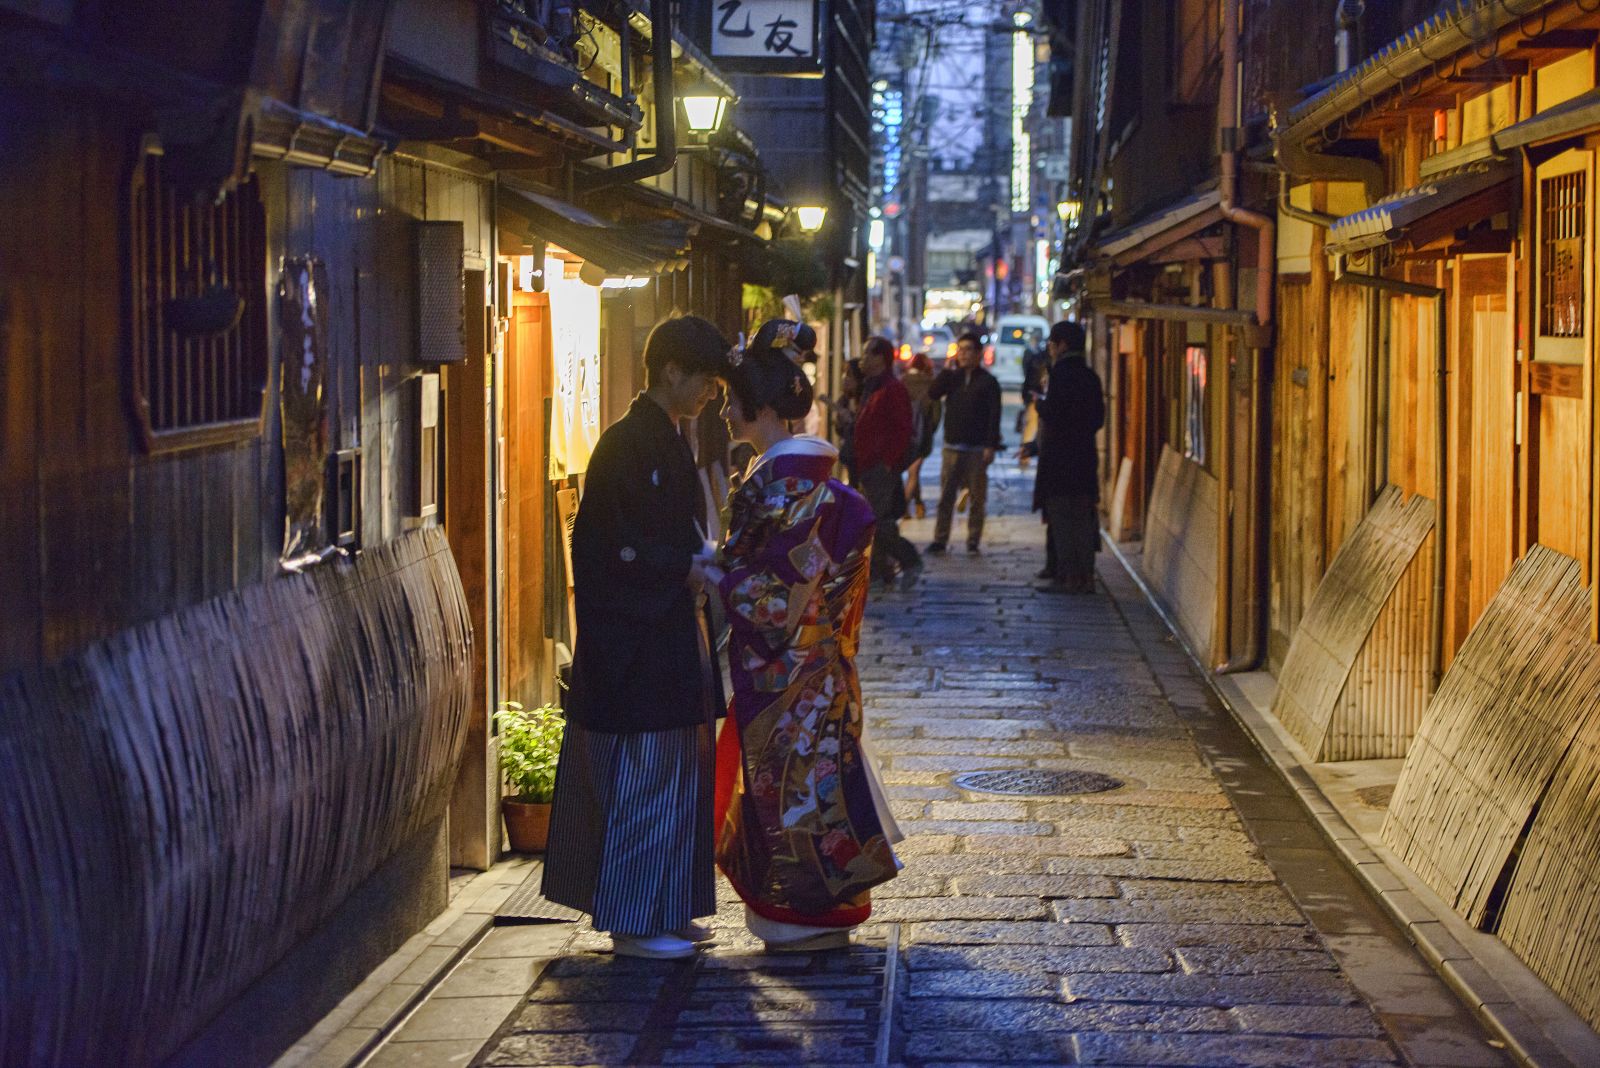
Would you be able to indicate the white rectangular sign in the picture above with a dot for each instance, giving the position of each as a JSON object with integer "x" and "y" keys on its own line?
{"x": 765, "y": 29}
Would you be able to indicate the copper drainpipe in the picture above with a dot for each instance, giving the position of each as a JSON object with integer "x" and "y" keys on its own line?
{"x": 1259, "y": 341}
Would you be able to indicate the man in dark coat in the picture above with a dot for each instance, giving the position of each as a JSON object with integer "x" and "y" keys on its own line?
{"x": 1066, "y": 487}
{"x": 631, "y": 829}
{"x": 971, "y": 435}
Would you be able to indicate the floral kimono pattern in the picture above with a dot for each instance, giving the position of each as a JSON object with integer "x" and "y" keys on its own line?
{"x": 799, "y": 837}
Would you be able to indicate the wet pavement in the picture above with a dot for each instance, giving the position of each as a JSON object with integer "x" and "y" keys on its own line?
{"x": 1191, "y": 916}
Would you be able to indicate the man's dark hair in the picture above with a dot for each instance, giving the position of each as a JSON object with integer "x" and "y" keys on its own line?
{"x": 880, "y": 345}
{"x": 766, "y": 378}
{"x": 972, "y": 336}
{"x": 693, "y": 343}
{"x": 1069, "y": 334}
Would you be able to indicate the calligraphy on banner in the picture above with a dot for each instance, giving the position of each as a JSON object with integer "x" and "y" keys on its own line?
{"x": 773, "y": 36}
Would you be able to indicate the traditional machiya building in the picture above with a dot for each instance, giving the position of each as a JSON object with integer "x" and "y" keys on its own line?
{"x": 1350, "y": 360}
{"x": 309, "y": 316}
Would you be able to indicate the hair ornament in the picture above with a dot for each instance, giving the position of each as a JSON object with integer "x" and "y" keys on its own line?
{"x": 735, "y": 356}
{"x": 783, "y": 337}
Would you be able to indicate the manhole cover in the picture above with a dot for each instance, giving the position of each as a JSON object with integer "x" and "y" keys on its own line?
{"x": 1376, "y": 796}
{"x": 1038, "y": 783}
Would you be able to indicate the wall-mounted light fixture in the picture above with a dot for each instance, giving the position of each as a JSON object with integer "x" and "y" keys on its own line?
{"x": 811, "y": 217}
{"x": 704, "y": 108}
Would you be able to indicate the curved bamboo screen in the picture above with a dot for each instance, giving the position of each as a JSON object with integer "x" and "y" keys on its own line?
{"x": 1506, "y": 714}
{"x": 1341, "y": 700}
{"x": 1551, "y": 915}
{"x": 1180, "y": 545}
{"x": 183, "y": 802}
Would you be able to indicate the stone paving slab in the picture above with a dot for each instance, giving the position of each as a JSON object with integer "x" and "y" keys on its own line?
{"x": 1146, "y": 925}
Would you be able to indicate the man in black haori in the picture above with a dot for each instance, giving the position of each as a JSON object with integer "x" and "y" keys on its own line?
{"x": 1066, "y": 487}
{"x": 631, "y": 825}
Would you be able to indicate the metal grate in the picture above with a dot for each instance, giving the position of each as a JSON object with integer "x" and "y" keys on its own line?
{"x": 528, "y": 905}
{"x": 1035, "y": 783}
{"x": 441, "y": 292}
{"x": 1562, "y": 207}
{"x": 199, "y": 333}
{"x": 1376, "y": 796}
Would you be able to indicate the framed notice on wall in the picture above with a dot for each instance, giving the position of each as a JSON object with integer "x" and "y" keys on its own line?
{"x": 766, "y": 36}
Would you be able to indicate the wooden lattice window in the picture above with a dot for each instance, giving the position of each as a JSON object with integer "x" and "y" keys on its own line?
{"x": 198, "y": 319}
{"x": 1563, "y": 206}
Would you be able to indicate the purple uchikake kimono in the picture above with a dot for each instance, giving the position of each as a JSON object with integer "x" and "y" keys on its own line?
{"x": 804, "y": 832}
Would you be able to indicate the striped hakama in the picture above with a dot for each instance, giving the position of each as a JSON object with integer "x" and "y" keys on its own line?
{"x": 630, "y": 829}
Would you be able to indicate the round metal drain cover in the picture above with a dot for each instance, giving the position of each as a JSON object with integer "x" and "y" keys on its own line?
{"x": 1035, "y": 783}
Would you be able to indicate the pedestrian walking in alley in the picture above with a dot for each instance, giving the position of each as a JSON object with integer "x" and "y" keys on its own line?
{"x": 1066, "y": 487}
{"x": 925, "y": 412}
{"x": 883, "y": 441}
{"x": 631, "y": 839}
{"x": 804, "y": 827}
{"x": 971, "y": 437}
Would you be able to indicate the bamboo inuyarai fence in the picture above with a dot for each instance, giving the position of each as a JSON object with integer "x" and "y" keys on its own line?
{"x": 1505, "y": 716}
{"x": 1180, "y": 545}
{"x": 1551, "y": 914}
{"x": 1340, "y": 712}
{"x": 183, "y": 802}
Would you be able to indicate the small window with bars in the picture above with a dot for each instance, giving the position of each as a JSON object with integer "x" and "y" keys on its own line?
{"x": 1563, "y": 206}
{"x": 198, "y": 322}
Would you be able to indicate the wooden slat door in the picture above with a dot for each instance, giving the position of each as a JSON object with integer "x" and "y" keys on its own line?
{"x": 1488, "y": 400}
{"x": 525, "y": 664}
{"x": 1299, "y": 445}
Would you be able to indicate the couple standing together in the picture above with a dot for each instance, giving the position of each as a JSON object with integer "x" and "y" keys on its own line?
{"x": 786, "y": 801}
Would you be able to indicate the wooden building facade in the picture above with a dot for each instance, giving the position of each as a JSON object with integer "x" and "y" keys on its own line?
{"x": 1373, "y": 472}
{"x": 309, "y": 313}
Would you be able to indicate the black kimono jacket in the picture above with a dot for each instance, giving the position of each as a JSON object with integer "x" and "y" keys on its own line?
{"x": 639, "y": 664}
{"x": 1074, "y": 408}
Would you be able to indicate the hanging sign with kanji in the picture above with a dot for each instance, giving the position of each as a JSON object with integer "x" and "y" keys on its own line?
{"x": 765, "y": 36}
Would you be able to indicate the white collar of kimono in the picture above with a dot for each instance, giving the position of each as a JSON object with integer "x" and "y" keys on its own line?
{"x": 799, "y": 445}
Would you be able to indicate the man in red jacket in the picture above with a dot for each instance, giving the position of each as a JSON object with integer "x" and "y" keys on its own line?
{"x": 882, "y": 445}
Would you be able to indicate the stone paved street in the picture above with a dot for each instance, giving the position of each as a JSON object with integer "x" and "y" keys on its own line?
{"x": 1144, "y": 925}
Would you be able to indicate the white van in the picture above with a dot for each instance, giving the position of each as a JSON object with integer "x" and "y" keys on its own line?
{"x": 1014, "y": 335}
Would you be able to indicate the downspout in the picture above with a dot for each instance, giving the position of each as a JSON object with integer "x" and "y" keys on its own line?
{"x": 1442, "y": 435}
{"x": 665, "y": 155}
{"x": 1229, "y": 105}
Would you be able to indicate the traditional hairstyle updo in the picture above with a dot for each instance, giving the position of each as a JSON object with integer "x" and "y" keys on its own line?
{"x": 766, "y": 378}
{"x": 792, "y": 338}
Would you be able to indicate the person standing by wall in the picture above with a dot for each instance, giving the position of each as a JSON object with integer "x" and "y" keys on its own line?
{"x": 971, "y": 437}
{"x": 882, "y": 445}
{"x": 1067, "y": 485}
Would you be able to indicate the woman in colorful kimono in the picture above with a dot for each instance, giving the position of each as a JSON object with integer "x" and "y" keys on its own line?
{"x": 804, "y": 830}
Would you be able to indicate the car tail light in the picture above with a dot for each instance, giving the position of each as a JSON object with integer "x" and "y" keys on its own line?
{"x": 988, "y": 355}
{"x": 905, "y": 353}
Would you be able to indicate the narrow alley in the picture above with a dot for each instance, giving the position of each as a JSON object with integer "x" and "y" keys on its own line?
{"x": 1190, "y": 914}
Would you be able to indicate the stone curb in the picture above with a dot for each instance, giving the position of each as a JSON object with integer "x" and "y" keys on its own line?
{"x": 1538, "y": 1028}
{"x": 355, "y": 1027}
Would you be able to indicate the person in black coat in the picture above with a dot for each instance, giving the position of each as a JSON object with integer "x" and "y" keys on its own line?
{"x": 630, "y": 830}
{"x": 1066, "y": 487}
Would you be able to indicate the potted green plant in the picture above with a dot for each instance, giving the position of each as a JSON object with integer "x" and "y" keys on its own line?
{"x": 530, "y": 745}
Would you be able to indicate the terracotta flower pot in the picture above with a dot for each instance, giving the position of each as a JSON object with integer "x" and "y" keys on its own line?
{"x": 527, "y": 824}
